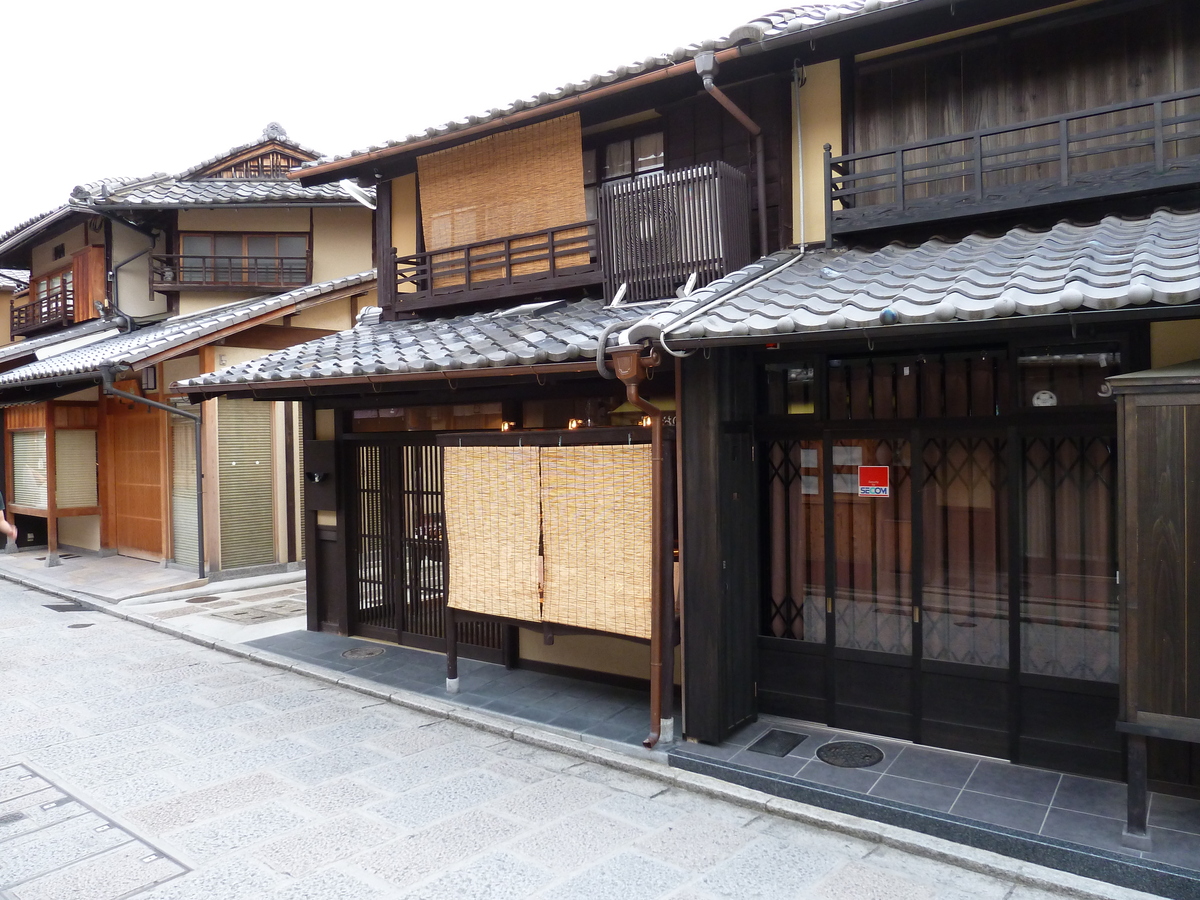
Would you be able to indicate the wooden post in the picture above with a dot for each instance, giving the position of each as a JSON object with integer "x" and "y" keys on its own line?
{"x": 51, "y": 490}
{"x": 1135, "y": 834}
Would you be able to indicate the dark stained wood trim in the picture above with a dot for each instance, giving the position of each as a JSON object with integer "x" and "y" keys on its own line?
{"x": 278, "y": 337}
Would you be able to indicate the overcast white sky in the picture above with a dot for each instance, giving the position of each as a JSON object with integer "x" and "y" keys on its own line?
{"x": 128, "y": 87}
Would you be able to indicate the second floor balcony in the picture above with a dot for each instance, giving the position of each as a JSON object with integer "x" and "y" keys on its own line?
{"x": 652, "y": 234}
{"x": 191, "y": 272}
{"x": 1124, "y": 149}
{"x": 53, "y": 308}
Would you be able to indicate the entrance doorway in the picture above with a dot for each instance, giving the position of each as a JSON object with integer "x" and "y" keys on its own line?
{"x": 967, "y": 603}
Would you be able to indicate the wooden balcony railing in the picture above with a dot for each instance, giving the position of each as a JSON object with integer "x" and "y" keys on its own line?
{"x": 1125, "y": 148}
{"x": 54, "y": 309}
{"x": 567, "y": 256}
{"x": 174, "y": 272}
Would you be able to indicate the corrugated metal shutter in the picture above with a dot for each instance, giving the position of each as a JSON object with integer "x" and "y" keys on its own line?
{"x": 29, "y": 469}
{"x": 301, "y": 508}
{"x": 247, "y": 498}
{"x": 183, "y": 489}
{"x": 75, "y": 482}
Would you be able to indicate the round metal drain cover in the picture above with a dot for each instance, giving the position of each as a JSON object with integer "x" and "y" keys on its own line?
{"x": 362, "y": 652}
{"x": 81, "y": 625}
{"x": 850, "y": 754}
{"x": 208, "y": 598}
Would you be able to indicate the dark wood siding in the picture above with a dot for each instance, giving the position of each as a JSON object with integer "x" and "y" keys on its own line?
{"x": 1026, "y": 72}
{"x": 698, "y": 130}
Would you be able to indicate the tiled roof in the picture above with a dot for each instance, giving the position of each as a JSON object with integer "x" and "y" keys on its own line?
{"x": 533, "y": 334}
{"x": 30, "y": 346}
{"x": 1110, "y": 265}
{"x": 777, "y": 24}
{"x": 14, "y": 279}
{"x": 170, "y": 191}
{"x": 126, "y": 350}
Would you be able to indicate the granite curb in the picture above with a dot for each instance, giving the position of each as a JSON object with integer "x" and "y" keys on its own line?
{"x": 648, "y": 763}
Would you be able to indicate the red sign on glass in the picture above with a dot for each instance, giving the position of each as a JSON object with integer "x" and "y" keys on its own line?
{"x": 874, "y": 481}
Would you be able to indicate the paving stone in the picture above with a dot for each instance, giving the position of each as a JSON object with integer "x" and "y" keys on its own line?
{"x": 623, "y": 876}
{"x": 312, "y": 716}
{"x": 638, "y": 810}
{"x": 859, "y": 881}
{"x": 318, "y": 845}
{"x": 341, "y": 734}
{"x": 232, "y": 879}
{"x": 324, "y": 766}
{"x": 551, "y": 799}
{"x": 122, "y": 766}
{"x": 424, "y": 805}
{"x": 589, "y": 837}
{"x": 36, "y": 853}
{"x": 330, "y": 885}
{"x": 335, "y": 797}
{"x": 952, "y": 882}
{"x": 194, "y": 806}
{"x": 237, "y": 830}
{"x": 695, "y": 842}
{"x": 769, "y": 868}
{"x": 495, "y": 876}
{"x": 415, "y": 856}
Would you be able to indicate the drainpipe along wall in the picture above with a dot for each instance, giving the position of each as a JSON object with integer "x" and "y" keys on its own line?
{"x": 106, "y": 373}
{"x": 631, "y": 368}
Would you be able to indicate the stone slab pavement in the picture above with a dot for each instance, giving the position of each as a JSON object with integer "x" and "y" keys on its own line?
{"x": 134, "y": 763}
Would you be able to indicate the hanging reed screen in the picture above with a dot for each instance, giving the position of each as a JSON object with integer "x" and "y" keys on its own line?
{"x": 597, "y": 533}
{"x": 492, "y": 528}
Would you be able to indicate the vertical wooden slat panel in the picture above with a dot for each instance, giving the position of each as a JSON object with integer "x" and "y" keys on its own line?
{"x": 246, "y": 483}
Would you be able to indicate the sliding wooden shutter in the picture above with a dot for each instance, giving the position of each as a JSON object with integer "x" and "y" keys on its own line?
{"x": 183, "y": 490}
{"x": 75, "y": 469}
{"x": 29, "y": 469}
{"x": 247, "y": 496}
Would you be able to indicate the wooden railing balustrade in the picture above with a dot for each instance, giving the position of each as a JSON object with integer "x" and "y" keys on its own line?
{"x": 178, "y": 271}
{"x": 568, "y": 255}
{"x": 57, "y": 307}
{"x": 1124, "y": 148}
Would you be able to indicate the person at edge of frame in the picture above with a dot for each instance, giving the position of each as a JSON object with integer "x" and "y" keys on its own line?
{"x": 7, "y": 528}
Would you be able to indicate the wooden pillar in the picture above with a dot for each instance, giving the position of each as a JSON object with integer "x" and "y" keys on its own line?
{"x": 384, "y": 252}
{"x": 1137, "y": 807}
{"x": 51, "y": 490}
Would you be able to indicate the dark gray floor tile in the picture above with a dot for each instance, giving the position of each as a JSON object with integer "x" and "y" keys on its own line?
{"x": 915, "y": 793}
{"x": 861, "y": 780}
{"x": 1176, "y": 813}
{"x": 573, "y": 721}
{"x": 506, "y": 706}
{"x": 1175, "y": 847}
{"x": 936, "y": 766}
{"x": 1018, "y": 814}
{"x": 775, "y": 765}
{"x": 539, "y": 713}
{"x": 1082, "y": 828}
{"x": 559, "y": 702}
{"x": 749, "y": 734}
{"x": 1014, "y": 782}
{"x": 1091, "y": 795}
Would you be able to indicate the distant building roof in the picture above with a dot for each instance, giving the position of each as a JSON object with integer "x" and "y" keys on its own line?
{"x": 13, "y": 279}
{"x": 126, "y": 350}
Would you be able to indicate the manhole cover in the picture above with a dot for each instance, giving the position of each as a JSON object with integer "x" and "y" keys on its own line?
{"x": 209, "y": 598}
{"x": 362, "y": 652}
{"x": 850, "y": 754}
{"x": 81, "y": 625}
{"x": 778, "y": 743}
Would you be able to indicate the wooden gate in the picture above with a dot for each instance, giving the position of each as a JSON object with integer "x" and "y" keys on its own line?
{"x": 398, "y": 548}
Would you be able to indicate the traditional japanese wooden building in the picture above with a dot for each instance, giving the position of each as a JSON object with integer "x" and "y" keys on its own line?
{"x": 897, "y": 448}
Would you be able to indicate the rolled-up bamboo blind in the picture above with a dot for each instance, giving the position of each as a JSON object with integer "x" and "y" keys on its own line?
{"x": 528, "y": 179}
{"x": 493, "y": 524}
{"x": 597, "y": 537}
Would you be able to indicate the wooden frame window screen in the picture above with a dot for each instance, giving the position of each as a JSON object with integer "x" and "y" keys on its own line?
{"x": 526, "y": 180}
{"x": 29, "y": 469}
{"x": 580, "y": 516}
{"x": 75, "y": 483}
{"x": 246, "y": 484}
{"x": 493, "y": 530}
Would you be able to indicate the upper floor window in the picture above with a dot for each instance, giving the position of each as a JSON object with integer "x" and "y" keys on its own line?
{"x": 235, "y": 259}
{"x": 55, "y": 293}
{"x": 617, "y": 159}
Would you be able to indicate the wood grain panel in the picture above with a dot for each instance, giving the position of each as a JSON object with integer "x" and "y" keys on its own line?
{"x": 136, "y": 454}
{"x": 31, "y": 416}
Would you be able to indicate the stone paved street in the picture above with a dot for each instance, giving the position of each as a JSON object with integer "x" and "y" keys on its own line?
{"x": 135, "y": 763}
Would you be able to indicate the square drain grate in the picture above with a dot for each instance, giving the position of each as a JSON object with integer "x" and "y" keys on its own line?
{"x": 778, "y": 743}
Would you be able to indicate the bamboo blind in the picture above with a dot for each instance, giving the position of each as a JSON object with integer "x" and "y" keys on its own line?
{"x": 526, "y": 180}
{"x": 597, "y": 534}
{"x": 492, "y": 528}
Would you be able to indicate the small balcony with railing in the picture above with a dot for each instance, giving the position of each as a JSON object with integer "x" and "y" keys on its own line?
{"x": 1131, "y": 148}
{"x": 651, "y": 234}
{"x": 191, "y": 272}
{"x": 50, "y": 305}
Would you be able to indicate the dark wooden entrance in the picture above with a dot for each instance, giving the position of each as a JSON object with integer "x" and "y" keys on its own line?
{"x": 398, "y": 548}
{"x": 974, "y": 606}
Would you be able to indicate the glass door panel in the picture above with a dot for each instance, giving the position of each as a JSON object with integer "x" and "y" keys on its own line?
{"x": 795, "y": 606}
{"x": 965, "y": 597}
{"x": 873, "y": 539}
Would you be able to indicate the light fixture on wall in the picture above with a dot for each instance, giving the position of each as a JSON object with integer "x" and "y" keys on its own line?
{"x": 646, "y": 422}
{"x": 574, "y": 423}
{"x": 150, "y": 379}
{"x": 507, "y": 426}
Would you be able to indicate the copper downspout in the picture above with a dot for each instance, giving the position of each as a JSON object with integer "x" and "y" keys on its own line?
{"x": 631, "y": 368}
{"x": 706, "y": 67}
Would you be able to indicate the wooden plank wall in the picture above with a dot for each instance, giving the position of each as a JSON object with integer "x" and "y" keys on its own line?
{"x": 698, "y": 130}
{"x": 1028, "y": 72}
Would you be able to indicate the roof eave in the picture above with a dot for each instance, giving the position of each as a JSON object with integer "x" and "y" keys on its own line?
{"x": 36, "y": 229}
